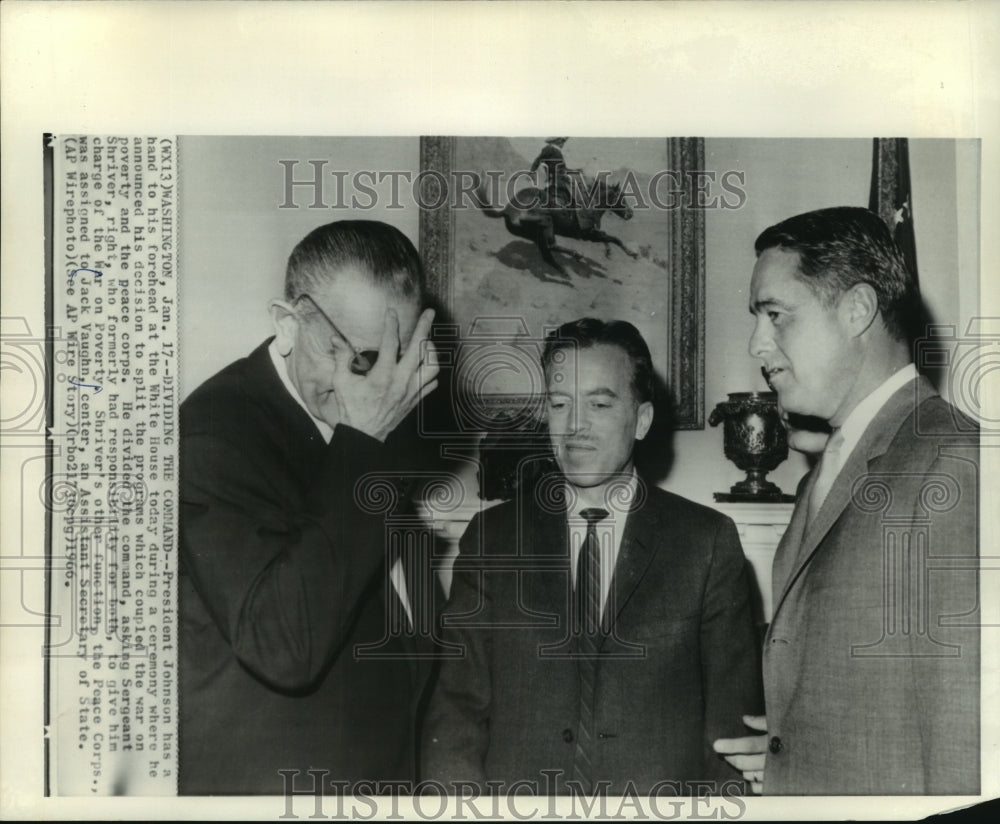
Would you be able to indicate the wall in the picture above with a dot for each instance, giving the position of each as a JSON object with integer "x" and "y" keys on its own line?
{"x": 235, "y": 239}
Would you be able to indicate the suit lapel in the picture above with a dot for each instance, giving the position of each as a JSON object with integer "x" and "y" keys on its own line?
{"x": 549, "y": 589}
{"x": 300, "y": 439}
{"x": 304, "y": 445}
{"x": 547, "y": 584}
{"x": 640, "y": 542}
{"x": 422, "y": 643}
{"x": 788, "y": 547}
{"x": 807, "y": 537}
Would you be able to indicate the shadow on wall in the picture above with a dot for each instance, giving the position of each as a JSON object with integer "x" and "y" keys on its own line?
{"x": 524, "y": 256}
{"x": 930, "y": 345}
{"x": 654, "y": 454}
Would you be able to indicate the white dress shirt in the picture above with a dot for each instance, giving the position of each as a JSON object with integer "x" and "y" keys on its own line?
{"x": 864, "y": 413}
{"x": 609, "y": 534}
{"x": 396, "y": 575}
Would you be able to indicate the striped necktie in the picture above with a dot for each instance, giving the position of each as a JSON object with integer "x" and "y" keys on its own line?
{"x": 588, "y": 632}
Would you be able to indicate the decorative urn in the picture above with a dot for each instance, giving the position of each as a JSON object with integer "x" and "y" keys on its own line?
{"x": 754, "y": 440}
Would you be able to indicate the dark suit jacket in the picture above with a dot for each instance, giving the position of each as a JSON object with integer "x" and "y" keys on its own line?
{"x": 871, "y": 662}
{"x": 283, "y": 575}
{"x": 508, "y": 709}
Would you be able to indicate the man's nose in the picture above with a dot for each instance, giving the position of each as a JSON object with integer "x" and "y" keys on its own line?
{"x": 581, "y": 419}
{"x": 760, "y": 340}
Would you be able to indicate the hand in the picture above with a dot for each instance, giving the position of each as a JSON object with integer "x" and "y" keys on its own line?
{"x": 747, "y": 754}
{"x": 376, "y": 403}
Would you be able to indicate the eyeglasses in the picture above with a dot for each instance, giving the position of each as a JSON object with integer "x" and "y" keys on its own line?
{"x": 363, "y": 360}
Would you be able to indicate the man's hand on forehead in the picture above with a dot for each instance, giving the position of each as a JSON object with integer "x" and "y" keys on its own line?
{"x": 376, "y": 403}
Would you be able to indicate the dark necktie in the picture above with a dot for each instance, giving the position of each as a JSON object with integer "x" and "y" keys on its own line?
{"x": 587, "y": 629}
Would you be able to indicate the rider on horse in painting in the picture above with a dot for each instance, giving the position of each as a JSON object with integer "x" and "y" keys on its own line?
{"x": 540, "y": 216}
{"x": 559, "y": 187}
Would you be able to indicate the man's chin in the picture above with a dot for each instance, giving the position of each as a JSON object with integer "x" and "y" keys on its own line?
{"x": 322, "y": 406}
{"x": 798, "y": 413}
{"x": 585, "y": 479}
{"x": 789, "y": 403}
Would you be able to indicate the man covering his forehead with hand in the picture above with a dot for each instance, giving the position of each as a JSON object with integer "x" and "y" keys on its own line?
{"x": 284, "y": 576}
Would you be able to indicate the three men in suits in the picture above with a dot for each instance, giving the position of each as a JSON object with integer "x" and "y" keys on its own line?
{"x": 604, "y": 624}
{"x": 871, "y": 660}
{"x": 285, "y": 580}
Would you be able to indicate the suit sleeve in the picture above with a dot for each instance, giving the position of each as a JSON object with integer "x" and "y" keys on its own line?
{"x": 731, "y": 666}
{"x": 282, "y": 586}
{"x": 456, "y": 729}
{"x": 947, "y": 685}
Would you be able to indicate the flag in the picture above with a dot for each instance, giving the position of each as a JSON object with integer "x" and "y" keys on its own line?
{"x": 891, "y": 197}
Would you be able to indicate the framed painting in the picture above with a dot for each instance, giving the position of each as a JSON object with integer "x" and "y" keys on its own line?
{"x": 520, "y": 235}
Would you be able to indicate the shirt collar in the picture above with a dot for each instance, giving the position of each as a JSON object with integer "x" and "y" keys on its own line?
{"x": 281, "y": 367}
{"x": 618, "y": 508}
{"x": 864, "y": 413}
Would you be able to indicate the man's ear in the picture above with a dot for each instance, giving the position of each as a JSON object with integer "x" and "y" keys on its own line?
{"x": 285, "y": 325}
{"x": 859, "y": 307}
{"x": 644, "y": 420}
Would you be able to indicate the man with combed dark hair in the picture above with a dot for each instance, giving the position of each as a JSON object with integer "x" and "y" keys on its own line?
{"x": 284, "y": 575}
{"x": 871, "y": 661}
{"x": 605, "y": 623}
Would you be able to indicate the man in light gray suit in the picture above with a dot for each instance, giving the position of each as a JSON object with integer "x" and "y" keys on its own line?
{"x": 871, "y": 661}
